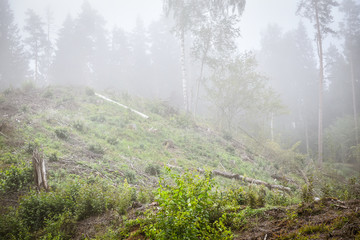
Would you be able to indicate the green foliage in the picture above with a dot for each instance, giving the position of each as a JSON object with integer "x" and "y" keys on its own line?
{"x": 62, "y": 133}
{"x": 112, "y": 140}
{"x": 98, "y": 119}
{"x": 27, "y": 85}
{"x": 15, "y": 177}
{"x": 153, "y": 170}
{"x": 96, "y": 148}
{"x": 92, "y": 200}
{"x": 307, "y": 192}
{"x": 89, "y": 91}
{"x": 48, "y": 93}
{"x": 339, "y": 141}
{"x": 53, "y": 157}
{"x": 186, "y": 209}
{"x": 122, "y": 201}
{"x": 79, "y": 125}
{"x": 35, "y": 208}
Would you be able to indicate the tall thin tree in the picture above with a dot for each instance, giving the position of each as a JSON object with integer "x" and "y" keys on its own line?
{"x": 319, "y": 13}
{"x": 351, "y": 32}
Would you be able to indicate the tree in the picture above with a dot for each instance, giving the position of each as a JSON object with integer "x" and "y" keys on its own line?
{"x": 236, "y": 89}
{"x": 66, "y": 68}
{"x": 36, "y": 40}
{"x": 319, "y": 13}
{"x": 91, "y": 44}
{"x": 120, "y": 59}
{"x": 214, "y": 38}
{"x": 82, "y": 56}
{"x": 165, "y": 72}
{"x": 288, "y": 61}
{"x": 13, "y": 66}
{"x": 189, "y": 15}
{"x": 140, "y": 60}
{"x": 49, "y": 48}
{"x": 351, "y": 31}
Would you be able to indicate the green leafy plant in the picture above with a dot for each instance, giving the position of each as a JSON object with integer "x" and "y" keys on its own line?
{"x": 186, "y": 210}
{"x": 62, "y": 133}
{"x": 16, "y": 177}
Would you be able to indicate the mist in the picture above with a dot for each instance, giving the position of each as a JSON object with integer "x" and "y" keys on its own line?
{"x": 179, "y": 119}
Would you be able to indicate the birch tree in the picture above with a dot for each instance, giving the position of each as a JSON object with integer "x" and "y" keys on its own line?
{"x": 188, "y": 16}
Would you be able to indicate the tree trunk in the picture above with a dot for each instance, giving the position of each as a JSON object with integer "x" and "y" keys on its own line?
{"x": 354, "y": 99}
{"x": 307, "y": 138}
{"x": 183, "y": 71}
{"x": 321, "y": 82}
{"x": 198, "y": 87}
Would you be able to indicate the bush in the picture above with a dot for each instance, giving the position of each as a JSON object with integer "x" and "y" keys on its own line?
{"x": 78, "y": 125}
{"x": 53, "y": 157}
{"x": 62, "y": 133}
{"x": 307, "y": 192}
{"x": 152, "y": 170}
{"x": 89, "y": 91}
{"x": 96, "y": 148}
{"x": 16, "y": 177}
{"x": 36, "y": 208}
{"x": 186, "y": 209}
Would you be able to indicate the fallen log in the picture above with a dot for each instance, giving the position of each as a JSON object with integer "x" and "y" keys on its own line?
{"x": 241, "y": 178}
{"x": 122, "y": 105}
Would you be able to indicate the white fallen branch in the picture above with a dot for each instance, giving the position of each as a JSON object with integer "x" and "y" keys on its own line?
{"x": 122, "y": 105}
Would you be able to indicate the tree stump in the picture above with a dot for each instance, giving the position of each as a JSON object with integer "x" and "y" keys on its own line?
{"x": 39, "y": 170}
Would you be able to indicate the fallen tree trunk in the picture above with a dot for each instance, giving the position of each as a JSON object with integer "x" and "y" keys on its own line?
{"x": 121, "y": 105}
{"x": 241, "y": 178}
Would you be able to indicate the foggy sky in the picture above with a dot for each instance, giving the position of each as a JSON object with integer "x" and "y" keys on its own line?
{"x": 257, "y": 16}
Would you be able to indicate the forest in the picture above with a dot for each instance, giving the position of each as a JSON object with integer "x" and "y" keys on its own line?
{"x": 172, "y": 130}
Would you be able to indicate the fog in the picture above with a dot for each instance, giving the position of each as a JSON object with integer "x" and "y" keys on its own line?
{"x": 253, "y": 67}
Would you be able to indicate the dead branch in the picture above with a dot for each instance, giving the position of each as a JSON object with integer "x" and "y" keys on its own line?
{"x": 241, "y": 178}
{"x": 4, "y": 135}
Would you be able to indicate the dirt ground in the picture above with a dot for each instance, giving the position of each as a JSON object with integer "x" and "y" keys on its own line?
{"x": 325, "y": 219}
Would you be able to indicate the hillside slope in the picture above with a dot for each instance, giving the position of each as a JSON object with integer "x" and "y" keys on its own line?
{"x": 104, "y": 163}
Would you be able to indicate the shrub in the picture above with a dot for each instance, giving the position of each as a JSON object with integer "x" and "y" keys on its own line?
{"x": 112, "y": 140}
{"x": 92, "y": 200}
{"x": 307, "y": 192}
{"x": 27, "y": 85}
{"x": 16, "y": 177}
{"x": 185, "y": 210}
{"x": 99, "y": 119}
{"x": 53, "y": 157}
{"x": 35, "y": 208}
{"x": 89, "y": 91}
{"x": 96, "y": 148}
{"x": 62, "y": 133}
{"x": 78, "y": 125}
{"x": 152, "y": 170}
{"x": 48, "y": 94}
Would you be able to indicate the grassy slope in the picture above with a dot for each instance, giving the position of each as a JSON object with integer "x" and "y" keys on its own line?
{"x": 81, "y": 134}
{"x": 103, "y": 138}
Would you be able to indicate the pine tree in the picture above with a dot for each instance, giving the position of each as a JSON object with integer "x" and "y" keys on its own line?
{"x": 13, "y": 66}
{"x": 35, "y": 41}
{"x": 66, "y": 68}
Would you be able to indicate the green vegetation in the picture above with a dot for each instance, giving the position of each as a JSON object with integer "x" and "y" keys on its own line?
{"x": 105, "y": 169}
